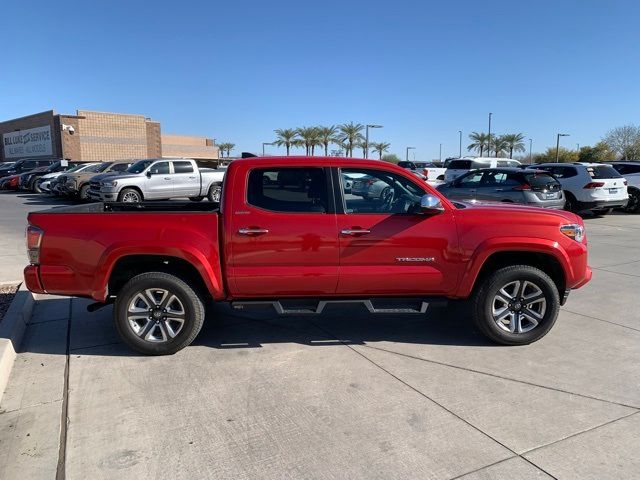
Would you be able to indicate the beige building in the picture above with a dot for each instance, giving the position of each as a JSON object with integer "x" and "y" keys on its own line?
{"x": 96, "y": 136}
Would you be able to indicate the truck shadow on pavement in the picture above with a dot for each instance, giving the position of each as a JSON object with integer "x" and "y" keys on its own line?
{"x": 95, "y": 334}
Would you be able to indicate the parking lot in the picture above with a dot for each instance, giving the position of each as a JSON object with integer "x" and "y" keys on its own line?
{"x": 340, "y": 395}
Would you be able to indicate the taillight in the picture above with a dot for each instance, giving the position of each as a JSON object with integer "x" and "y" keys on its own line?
{"x": 591, "y": 185}
{"x": 524, "y": 186}
{"x": 34, "y": 239}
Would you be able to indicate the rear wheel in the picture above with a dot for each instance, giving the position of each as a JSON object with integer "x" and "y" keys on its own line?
{"x": 516, "y": 305}
{"x": 130, "y": 195}
{"x": 570, "y": 203}
{"x": 633, "y": 205}
{"x": 84, "y": 192}
{"x": 158, "y": 314}
{"x": 214, "y": 193}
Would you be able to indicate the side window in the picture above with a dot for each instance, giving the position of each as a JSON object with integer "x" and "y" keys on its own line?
{"x": 160, "y": 168}
{"x": 182, "y": 167}
{"x": 471, "y": 180}
{"x": 288, "y": 190}
{"x": 29, "y": 165}
{"x": 379, "y": 191}
{"x": 503, "y": 179}
{"x": 119, "y": 167}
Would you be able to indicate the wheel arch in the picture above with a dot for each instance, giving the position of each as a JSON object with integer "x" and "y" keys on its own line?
{"x": 132, "y": 187}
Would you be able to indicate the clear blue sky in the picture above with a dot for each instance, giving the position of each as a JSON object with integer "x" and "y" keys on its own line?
{"x": 237, "y": 70}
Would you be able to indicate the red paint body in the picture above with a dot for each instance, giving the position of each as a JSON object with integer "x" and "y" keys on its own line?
{"x": 303, "y": 254}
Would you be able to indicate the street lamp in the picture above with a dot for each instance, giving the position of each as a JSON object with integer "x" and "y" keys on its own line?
{"x": 530, "y": 145}
{"x": 489, "y": 139}
{"x": 407, "y": 154}
{"x": 366, "y": 140}
{"x": 441, "y": 152}
{"x": 266, "y": 143}
{"x": 460, "y": 154}
{"x": 558, "y": 143}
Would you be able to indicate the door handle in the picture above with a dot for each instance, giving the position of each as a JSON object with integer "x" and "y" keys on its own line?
{"x": 192, "y": 178}
{"x": 355, "y": 231}
{"x": 253, "y": 231}
{"x": 167, "y": 178}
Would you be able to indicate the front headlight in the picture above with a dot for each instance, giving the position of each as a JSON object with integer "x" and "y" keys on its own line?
{"x": 573, "y": 231}
{"x": 109, "y": 184}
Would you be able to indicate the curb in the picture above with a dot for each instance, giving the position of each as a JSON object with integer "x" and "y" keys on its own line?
{"x": 12, "y": 329}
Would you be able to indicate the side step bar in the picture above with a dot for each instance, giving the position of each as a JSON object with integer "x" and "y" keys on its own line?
{"x": 317, "y": 307}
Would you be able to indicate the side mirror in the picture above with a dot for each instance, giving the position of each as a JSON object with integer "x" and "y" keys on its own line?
{"x": 149, "y": 174}
{"x": 430, "y": 205}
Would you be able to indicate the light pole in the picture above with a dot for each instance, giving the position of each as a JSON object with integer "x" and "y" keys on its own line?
{"x": 489, "y": 139}
{"x": 265, "y": 143}
{"x": 460, "y": 154}
{"x": 407, "y": 154}
{"x": 440, "y": 152}
{"x": 366, "y": 139}
{"x": 578, "y": 147}
{"x": 530, "y": 145}
{"x": 558, "y": 143}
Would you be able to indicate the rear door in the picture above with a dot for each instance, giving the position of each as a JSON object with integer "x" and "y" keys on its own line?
{"x": 186, "y": 180}
{"x": 283, "y": 236}
{"x": 160, "y": 183}
{"x": 388, "y": 248}
{"x": 499, "y": 185}
{"x": 466, "y": 187}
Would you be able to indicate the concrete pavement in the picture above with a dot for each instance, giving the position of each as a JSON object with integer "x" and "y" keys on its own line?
{"x": 342, "y": 395}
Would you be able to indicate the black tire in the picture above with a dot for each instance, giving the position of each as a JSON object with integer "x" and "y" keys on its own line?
{"x": 191, "y": 304}
{"x": 214, "y": 193}
{"x": 570, "y": 204}
{"x": 196, "y": 199}
{"x": 633, "y": 205}
{"x": 485, "y": 296}
{"x": 130, "y": 195}
{"x": 83, "y": 193}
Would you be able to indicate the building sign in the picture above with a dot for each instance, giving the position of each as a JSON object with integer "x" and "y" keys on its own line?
{"x": 32, "y": 142}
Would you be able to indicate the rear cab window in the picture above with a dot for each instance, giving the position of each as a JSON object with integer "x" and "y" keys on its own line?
{"x": 294, "y": 190}
{"x": 182, "y": 167}
{"x": 460, "y": 164}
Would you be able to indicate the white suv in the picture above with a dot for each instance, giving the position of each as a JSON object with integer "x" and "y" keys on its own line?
{"x": 631, "y": 173}
{"x": 589, "y": 186}
{"x": 460, "y": 166}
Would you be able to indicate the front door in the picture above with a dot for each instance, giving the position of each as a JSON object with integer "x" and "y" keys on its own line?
{"x": 160, "y": 183}
{"x": 283, "y": 235}
{"x": 387, "y": 247}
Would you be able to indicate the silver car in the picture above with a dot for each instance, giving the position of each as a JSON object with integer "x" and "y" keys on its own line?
{"x": 512, "y": 185}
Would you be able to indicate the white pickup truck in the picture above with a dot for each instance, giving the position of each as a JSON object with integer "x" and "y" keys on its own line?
{"x": 428, "y": 169}
{"x": 160, "y": 179}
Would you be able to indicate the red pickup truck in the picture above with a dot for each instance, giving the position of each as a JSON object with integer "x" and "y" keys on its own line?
{"x": 290, "y": 232}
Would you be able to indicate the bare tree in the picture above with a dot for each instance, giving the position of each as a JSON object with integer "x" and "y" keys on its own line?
{"x": 623, "y": 140}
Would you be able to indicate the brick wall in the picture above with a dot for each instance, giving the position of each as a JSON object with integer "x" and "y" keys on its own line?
{"x": 188, "y": 146}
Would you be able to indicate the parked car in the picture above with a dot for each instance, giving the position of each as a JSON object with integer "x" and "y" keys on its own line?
{"x": 162, "y": 179}
{"x": 429, "y": 170}
{"x": 45, "y": 183}
{"x": 10, "y": 182}
{"x": 24, "y": 179}
{"x": 291, "y": 247}
{"x": 458, "y": 167}
{"x": 78, "y": 184}
{"x": 532, "y": 187}
{"x": 631, "y": 173}
{"x": 25, "y": 165}
{"x": 589, "y": 186}
{"x": 31, "y": 179}
{"x": 59, "y": 185}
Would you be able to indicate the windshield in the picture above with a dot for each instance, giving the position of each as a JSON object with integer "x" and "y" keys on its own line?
{"x": 140, "y": 166}
{"x": 100, "y": 167}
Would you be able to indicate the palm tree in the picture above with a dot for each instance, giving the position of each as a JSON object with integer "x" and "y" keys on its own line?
{"x": 499, "y": 145}
{"x": 286, "y": 137}
{"x": 479, "y": 140}
{"x": 222, "y": 147}
{"x": 310, "y": 138}
{"x": 326, "y": 137}
{"x": 350, "y": 135}
{"x": 514, "y": 142}
{"x": 381, "y": 148}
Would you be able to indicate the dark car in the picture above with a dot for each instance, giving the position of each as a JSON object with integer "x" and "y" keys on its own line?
{"x": 30, "y": 179}
{"x": 26, "y": 165}
{"x": 511, "y": 185}
{"x": 24, "y": 178}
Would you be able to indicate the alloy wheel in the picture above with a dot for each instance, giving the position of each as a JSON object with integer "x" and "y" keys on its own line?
{"x": 131, "y": 197}
{"x": 156, "y": 315}
{"x": 519, "y": 306}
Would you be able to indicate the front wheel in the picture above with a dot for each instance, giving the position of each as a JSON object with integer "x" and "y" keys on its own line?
{"x": 158, "y": 314}
{"x": 516, "y": 305}
{"x": 130, "y": 195}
